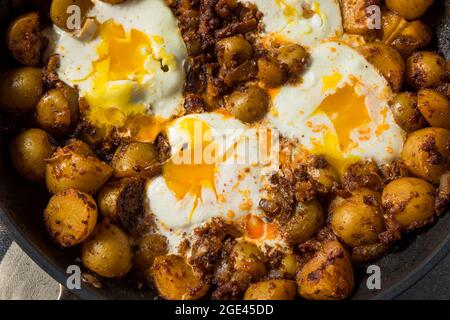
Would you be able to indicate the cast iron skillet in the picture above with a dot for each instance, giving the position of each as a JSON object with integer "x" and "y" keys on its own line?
{"x": 22, "y": 204}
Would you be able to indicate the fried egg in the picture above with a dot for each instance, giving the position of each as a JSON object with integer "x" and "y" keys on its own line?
{"x": 340, "y": 109}
{"x": 218, "y": 168}
{"x": 131, "y": 62}
{"x": 305, "y": 22}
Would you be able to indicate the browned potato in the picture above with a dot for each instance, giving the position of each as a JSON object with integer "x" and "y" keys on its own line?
{"x": 443, "y": 194}
{"x": 122, "y": 201}
{"x": 367, "y": 253}
{"x": 135, "y": 158}
{"x": 425, "y": 69}
{"x": 53, "y": 112}
{"x": 67, "y": 170}
{"x": 328, "y": 275}
{"x": 249, "y": 262}
{"x": 176, "y": 280}
{"x": 24, "y": 39}
{"x": 435, "y": 108}
{"x": 249, "y": 105}
{"x": 29, "y": 150}
{"x": 387, "y": 60}
{"x": 20, "y": 89}
{"x": 72, "y": 97}
{"x": 70, "y": 217}
{"x": 272, "y": 290}
{"x": 293, "y": 56}
{"x": 233, "y": 51}
{"x": 107, "y": 252}
{"x": 410, "y": 9}
{"x": 406, "y": 113}
{"x": 409, "y": 202}
{"x": 270, "y": 72}
{"x": 426, "y": 153}
{"x": 79, "y": 147}
{"x": 323, "y": 173}
{"x": 304, "y": 223}
{"x": 65, "y": 18}
{"x": 358, "y": 220}
{"x": 355, "y": 15}
{"x": 150, "y": 246}
{"x": 391, "y": 26}
{"x": 288, "y": 267}
{"x": 415, "y": 35}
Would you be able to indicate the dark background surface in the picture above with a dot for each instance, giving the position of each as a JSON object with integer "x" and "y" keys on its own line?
{"x": 435, "y": 285}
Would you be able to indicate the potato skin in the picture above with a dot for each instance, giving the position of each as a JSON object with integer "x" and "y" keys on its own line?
{"x": 24, "y": 39}
{"x": 53, "y": 113}
{"x": 387, "y": 60}
{"x": 249, "y": 262}
{"x": 107, "y": 252}
{"x": 70, "y": 217}
{"x": 358, "y": 220}
{"x": 409, "y": 202}
{"x": 435, "y": 107}
{"x": 270, "y": 72}
{"x": 20, "y": 89}
{"x": 135, "y": 158}
{"x": 150, "y": 246}
{"x": 355, "y": 15}
{"x": 233, "y": 51}
{"x": 406, "y": 114}
{"x": 176, "y": 280}
{"x": 272, "y": 290}
{"x": 415, "y": 35}
{"x": 304, "y": 223}
{"x": 409, "y": 9}
{"x": 59, "y": 15}
{"x": 67, "y": 169}
{"x": 294, "y": 56}
{"x": 248, "y": 105}
{"x": 425, "y": 69}
{"x": 328, "y": 275}
{"x": 426, "y": 153}
{"x": 29, "y": 150}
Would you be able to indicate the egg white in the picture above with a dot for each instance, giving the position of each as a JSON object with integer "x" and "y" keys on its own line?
{"x": 161, "y": 91}
{"x": 294, "y": 106}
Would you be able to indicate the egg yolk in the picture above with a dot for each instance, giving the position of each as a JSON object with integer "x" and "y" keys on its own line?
{"x": 189, "y": 171}
{"x": 347, "y": 111}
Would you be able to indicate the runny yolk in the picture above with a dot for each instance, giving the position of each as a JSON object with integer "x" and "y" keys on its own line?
{"x": 121, "y": 56}
{"x": 189, "y": 171}
{"x": 347, "y": 111}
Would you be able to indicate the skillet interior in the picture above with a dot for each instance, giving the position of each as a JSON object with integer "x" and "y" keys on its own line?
{"x": 22, "y": 204}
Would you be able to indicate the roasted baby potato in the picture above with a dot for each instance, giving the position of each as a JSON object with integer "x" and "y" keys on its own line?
{"x": 413, "y": 36}
{"x": 358, "y": 220}
{"x": 176, "y": 280}
{"x": 70, "y": 217}
{"x": 29, "y": 150}
{"x": 249, "y": 262}
{"x": 324, "y": 174}
{"x": 304, "y": 223}
{"x": 122, "y": 201}
{"x": 356, "y": 15}
{"x": 328, "y": 275}
{"x": 294, "y": 56}
{"x": 443, "y": 194}
{"x": 24, "y": 39}
{"x": 67, "y": 169}
{"x": 79, "y": 147}
{"x": 272, "y": 290}
{"x": 387, "y": 60}
{"x": 65, "y": 15}
{"x": 409, "y": 9}
{"x": 425, "y": 69}
{"x": 406, "y": 114}
{"x": 435, "y": 108}
{"x": 20, "y": 89}
{"x": 270, "y": 72}
{"x": 53, "y": 112}
{"x": 150, "y": 246}
{"x": 409, "y": 202}
{"x": 233, "y": 51}
{"x": 248, "y": 105}
{"x": 426, "y": 153}
{"x": 135, "y": 158}
{"x": 107, "y": 252}
{"x": 367, "y": 253}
